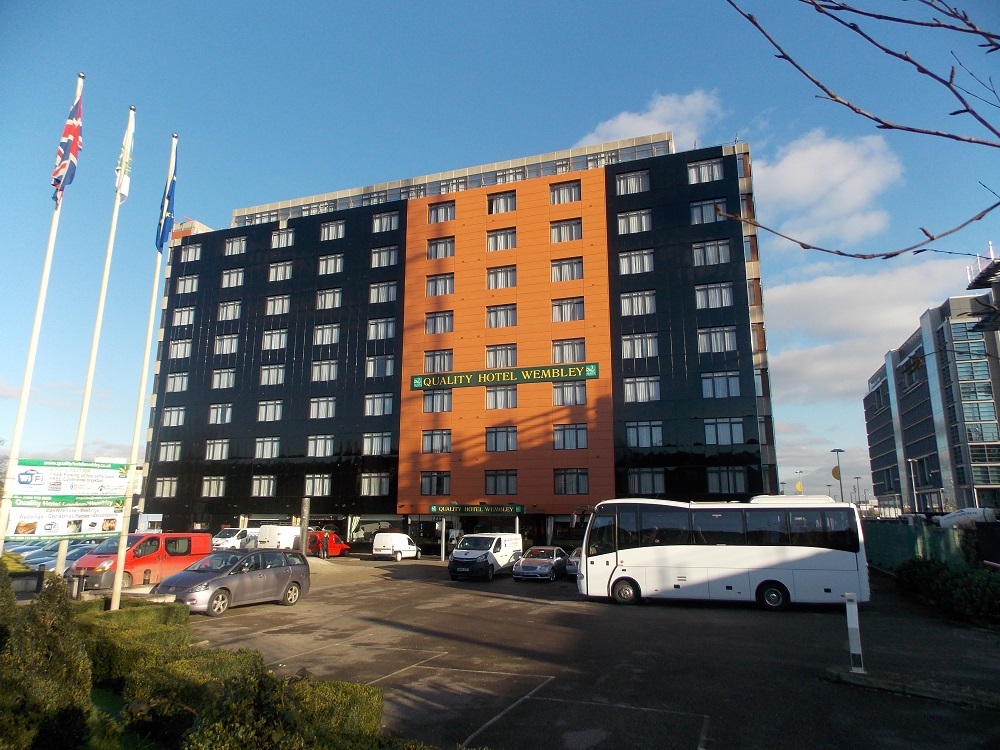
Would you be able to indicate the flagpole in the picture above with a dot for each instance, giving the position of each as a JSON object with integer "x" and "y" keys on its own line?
{"x": 116, "y": 588}
{"x": 29, "y": 367}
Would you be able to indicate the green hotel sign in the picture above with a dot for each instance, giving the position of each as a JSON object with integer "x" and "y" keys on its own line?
{"x": 481, "y": 509}
{"x": 507, "y": 376}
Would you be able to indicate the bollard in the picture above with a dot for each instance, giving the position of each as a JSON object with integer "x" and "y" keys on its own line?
{"x": 854, "y": 634}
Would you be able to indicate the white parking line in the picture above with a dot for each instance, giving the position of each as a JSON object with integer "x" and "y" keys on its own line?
{"x": 511, "y": 707}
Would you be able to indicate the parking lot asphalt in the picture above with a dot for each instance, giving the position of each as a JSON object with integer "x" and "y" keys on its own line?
{"x": 508, "y": 665}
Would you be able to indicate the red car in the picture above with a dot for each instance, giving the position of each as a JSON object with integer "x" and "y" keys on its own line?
{"x": 334, "y": 545}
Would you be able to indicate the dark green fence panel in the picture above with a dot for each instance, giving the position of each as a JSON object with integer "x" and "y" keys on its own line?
{"x": 888, "y": 543}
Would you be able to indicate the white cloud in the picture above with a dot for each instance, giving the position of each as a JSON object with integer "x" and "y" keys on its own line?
{"x": 686, "y": 116}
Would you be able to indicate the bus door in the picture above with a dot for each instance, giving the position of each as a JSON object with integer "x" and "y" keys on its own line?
{"x": 599, "y": 553}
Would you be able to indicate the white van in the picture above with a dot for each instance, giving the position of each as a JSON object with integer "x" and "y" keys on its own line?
{"x": 235, "y": 539}
{"x": 278, "y": 537}
{"x": 484, "y": 555}
{"x": 394, "y": 545}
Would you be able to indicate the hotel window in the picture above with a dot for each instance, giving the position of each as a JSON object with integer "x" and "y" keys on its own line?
{"x": 501, "y": 355}
{"x": 385, "y": 222}
{"x": 638, "y": 303}
{"x": 326, "y": 334}
{"x": 501, "y": 277}
{"x": 173, "y": 416}
{"x": 220, "y": 413}
{"x": 232, "y": 277}
{"x": 216, "y": 450}
{"x": 319, "y": 446}
{"x": 635, "y": 261}
{"x": 278, "y": 305}
{"x": 324, "y": 371}
{"x": 569, "y": 350}
{"x": 646, "y": 481}
{"x": 228, "y": 344}
{"x": 567, "y": 269}
{"x": 177, "y": 382}
{"x": 436, "y": 441}
{"x": 374, "y": 483}
{"x": 317, "y": 485}
{"x": 501, "y": 439}
{"x": 186, "y": 284}
{"x": 754, "y": 292}
{"x": 282, "y": 238}
{"x": 441, "y": 360}
{"x": 706, "y": 212}
{"x": 329, "y": 299}
{"x": 629, "y": 183}
{"x": 279, "y": 271}
{"x": 568, "y": 437}
{"x": 437, "y": 401}
{"x": 213, "y": 487}
{"x": 183, "y": 316}
{"x": 435, "y": 483}
{"x": 639, "y": 345}
{"x": 190, "y": 253}
{"x": 501, "y": 203}
{"x": 711, "y": 253}
{"x": 230, "y": 310}
{"x": 440, "y": 322}
{"x": 378, "y": 404}
{"x": 564, "y": 192}
{"x": 382, "y": 291}
{"x": 383, "y": 257}
{"x": 726, "y": 480}
{"x": 438, "y": 212}
{"x": 501, "y": 316}
{"x": 644, "y": 434}
{"x": 376, "y": 444}
{"x": 642, "y": 390}
{"x": 750, "y": 248}
{"x": 720, "y": 339}
{"x": 501, "y": 239}
{"x": 570, "y": 308}
{"x": 331, "y": 264}
{"x": 332, "y": 230}
{"x": 566, "y": 231}
{"x": 708, "y": 296}
{"x": 166, "y": 487}
{"x": 263, "y": 485}
{"x": 269, "y": 411}
{"x": 569, "y": 393}
{"x": 720, "y": 384}
{"x": 440, "y": 284}
{"x": 235, "y": 246}
{"x": 571, "y": 481}
{"x": 277, "y": 339}
{"x": 170, "y": 451}
{"x": 180, "y": 349}
{"x": 322, "y": 407}
{"x": 704, "y": 171}
{"x": 501, "y": 482}
{"x": 514, "y": 174}
{"x": 380, "y": 365}
{"x": 223, "y": 378}
{"x": 381, "y": 328}
{"x": 266, "y": 447}
{"x": 724, "y": 431}
{"x": 631, "y": 222}
{"x": 272, "y": 374}
{"x": 441, "y": 248}
{"x": 501, "y": 397}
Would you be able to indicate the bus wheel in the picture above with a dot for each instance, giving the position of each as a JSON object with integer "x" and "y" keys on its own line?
{"x": 772, "y": 595}
{"x": 625, "y": 591}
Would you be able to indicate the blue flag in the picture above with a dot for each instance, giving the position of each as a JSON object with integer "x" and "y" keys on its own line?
{"x": 166, "y": 225}
{"x": 69, "y": 145}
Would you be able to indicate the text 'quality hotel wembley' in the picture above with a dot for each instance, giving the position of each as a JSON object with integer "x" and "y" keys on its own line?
{"x": 498, "y": 343}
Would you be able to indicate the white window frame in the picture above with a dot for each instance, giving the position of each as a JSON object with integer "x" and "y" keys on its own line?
{"x": 232, "y": 277}
{"x": 565, "y": 192}
{"x": 631, "y": 262}
{"x": 235, "y": 246}
{"x": 329, "y": 264}
{"x": 183, "y": 316}
{"x": 501, "y": 239}
{"x": 322, "y": 407}
{"x": 272, "y": 375}
{"x": 223, "y": 378}
{"x": 280, "y": 271}
{"x": 230, "y": 310}
{"x": 323, "y": 371}
{"x": 630, "y": 183}
{"x": 567, "y": 269}
{"x": 332, "y": 230}
{"x": 567, "y": 230}
{"x": 326, "y": 334}
{"x": 278, "y": 304}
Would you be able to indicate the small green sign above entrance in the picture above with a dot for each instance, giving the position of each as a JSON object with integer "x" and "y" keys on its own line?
{"x": 480, "y": 509}
{"x": 508, "y": 376}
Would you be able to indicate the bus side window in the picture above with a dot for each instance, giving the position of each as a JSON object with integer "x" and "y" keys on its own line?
{"x": 767, "y": 528}
{"x": 807, "y": 528}
{"x": 841, "y": 531}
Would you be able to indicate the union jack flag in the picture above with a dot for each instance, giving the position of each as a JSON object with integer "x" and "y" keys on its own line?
{"x": 69, "y": 148}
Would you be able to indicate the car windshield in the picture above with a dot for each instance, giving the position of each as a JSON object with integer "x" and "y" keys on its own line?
{"x": 539, "y": 553}
{"x": 215, "y": 563}
{"x": 110, "y": 546}
{"x": 475, "y": 542}
{"x": 227, "y": 533}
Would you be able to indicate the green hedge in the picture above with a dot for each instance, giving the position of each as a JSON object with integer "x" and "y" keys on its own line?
{"x": 963, "y": 591}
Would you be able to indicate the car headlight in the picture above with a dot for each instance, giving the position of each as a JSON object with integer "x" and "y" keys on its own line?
{"x": 199, "y": 587}
{"x": 483, "y": 557}
{"x": 104, "y": 565}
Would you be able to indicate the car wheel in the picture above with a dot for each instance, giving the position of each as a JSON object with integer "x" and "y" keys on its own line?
{"x": 126, "y": 580}
{"x": 418, "y": 555}
{"x": 772, "y": 596}
{"x": 345, "y": 553}
{"x": 552, "y": 575}
{"x": 398, "y": 556}
{"x": 625, "y": 591}
{"x": 219, "y": 603}
{"x": 291, "y": 595}
{"x": 489, "y": 573}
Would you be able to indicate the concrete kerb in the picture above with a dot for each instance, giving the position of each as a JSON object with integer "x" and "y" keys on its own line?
{"x": 961, "y": 695}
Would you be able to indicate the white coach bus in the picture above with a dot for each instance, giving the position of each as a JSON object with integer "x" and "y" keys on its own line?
{"x": 774, "y": 549}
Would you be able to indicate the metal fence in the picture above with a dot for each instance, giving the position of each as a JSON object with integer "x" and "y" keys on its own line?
{"x": 888, "y": 543}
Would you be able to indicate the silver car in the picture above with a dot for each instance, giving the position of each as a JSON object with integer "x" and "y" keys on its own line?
{"x": 225, "y": 579}
{"x": 547, "y": 563}
{"x": 573, "y": 563}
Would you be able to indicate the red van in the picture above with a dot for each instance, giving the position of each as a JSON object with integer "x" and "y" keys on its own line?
{"x": 149, "y": 558}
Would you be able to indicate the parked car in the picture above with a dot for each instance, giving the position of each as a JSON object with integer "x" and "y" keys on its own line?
{"x": 394, "y": 545}
{"x": 541, "y": 562}
{"x": 335, "y": 546}
{"x": 51, "y": 549}
{"x": 235, "y": 538}
{"x": 573, "y": 562}
{"x": 49, "y": 562}
{"x": 149, "y": 558}
{"x": 484, "y": 555}
{"x": 233, "y": 578}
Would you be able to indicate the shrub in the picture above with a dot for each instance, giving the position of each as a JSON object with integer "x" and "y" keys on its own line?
{"x": 117, "y": 652}
{"x": 962, "y": 591}
{"x": 337, "y": 714}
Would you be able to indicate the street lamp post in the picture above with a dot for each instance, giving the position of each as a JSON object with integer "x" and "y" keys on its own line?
{"x": 838, "y": 451}
{"x": 857, "y": 486}
{"x": 798, "y": 480}
{"x": 782, "y": 487}
{"x": 913, "y": 482}
{"x": 829, "y": 490}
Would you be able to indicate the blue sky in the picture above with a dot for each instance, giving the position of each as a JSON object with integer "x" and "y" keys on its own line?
{"x": 278, "y": 101}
